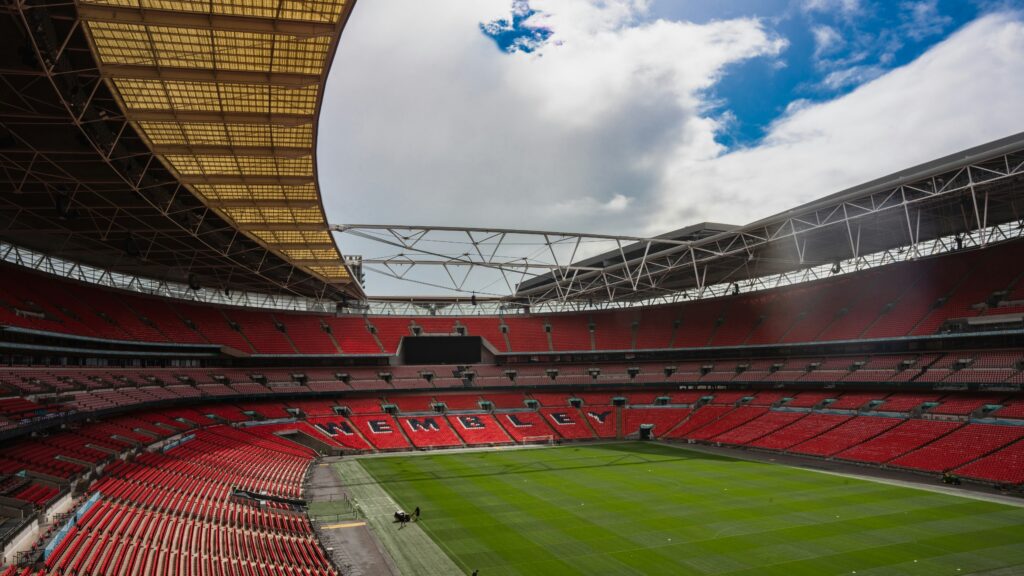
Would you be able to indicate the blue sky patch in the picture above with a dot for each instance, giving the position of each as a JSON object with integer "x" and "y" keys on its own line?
{"x": 835, "y": 46}
{"x": 516, "y": 35}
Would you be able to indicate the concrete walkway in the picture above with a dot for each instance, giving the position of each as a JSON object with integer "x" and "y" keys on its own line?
{"x": 413, "y": 551}
{"x": 353, "y": 545}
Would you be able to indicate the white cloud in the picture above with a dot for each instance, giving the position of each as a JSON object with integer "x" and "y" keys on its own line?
{"x": 426, "y": 121}
{"x": 910, "y": 115}
{"x": 618, "y": 203}
{"x": 923, "y": 19}
{"x": 844, "y": 7}
{"x": 610, "y": 130}
{"x": 852, "y": 76}
{"x": 826, "y": 40}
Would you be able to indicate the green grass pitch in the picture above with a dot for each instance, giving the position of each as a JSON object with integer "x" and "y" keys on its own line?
{"x": 637, "y": 508}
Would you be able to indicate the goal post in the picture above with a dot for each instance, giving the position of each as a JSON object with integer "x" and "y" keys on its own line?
{"x": 547, "y": 439}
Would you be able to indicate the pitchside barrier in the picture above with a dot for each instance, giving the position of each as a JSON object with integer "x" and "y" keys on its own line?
{"x": 549, "y": 439}
{"x": 335, "y": 511}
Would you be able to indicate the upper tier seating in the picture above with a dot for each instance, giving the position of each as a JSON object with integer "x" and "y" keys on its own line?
{"x": 915, "y": 298}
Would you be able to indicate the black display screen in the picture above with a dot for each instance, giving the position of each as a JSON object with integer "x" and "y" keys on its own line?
{"x": 441, "y": 349}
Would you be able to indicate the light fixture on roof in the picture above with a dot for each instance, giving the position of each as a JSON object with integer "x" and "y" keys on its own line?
{"x": 62, "y": 204}
{"x": 131, "y": 248}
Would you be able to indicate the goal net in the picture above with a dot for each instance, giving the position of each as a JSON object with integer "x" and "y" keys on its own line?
{"x": 549, "y": 439}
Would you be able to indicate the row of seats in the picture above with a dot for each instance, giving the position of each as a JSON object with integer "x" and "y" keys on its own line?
{"x": 22, "y": 411}
{"x": 179, "y": 512}
{"x": 176, "y": 513}
{"x": 877, "y": 433}
{"x": 33, "y": 393}
{"x": 975, "y": 450}
{"x": 909, "y": 298}
{"x": 23, "y": 489}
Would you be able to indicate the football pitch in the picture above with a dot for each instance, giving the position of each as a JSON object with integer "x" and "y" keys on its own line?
{"x": 641, "y": 508}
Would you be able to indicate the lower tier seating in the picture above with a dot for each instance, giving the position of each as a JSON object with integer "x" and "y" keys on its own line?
{"x": 1004, "y": 466}
{"x": 477, "y": 429}
{"x": 180, "y": 511}
{"x": 758, "y": 427}
{"x": 176, "y": 513}
{"x": 522, "y": 425}
{"x": 600, "y": 418}
{"x": 846, "y": 435}
{"x": 662, "y": 420}
{"x": 898, "y": 440}
{"x": 803, "y": 430}
{"x": 429, "y": 431}
{"x": 956, "y": 449}
{"x": 567, "y": 423}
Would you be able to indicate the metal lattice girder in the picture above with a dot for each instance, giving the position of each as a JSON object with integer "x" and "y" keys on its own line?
{"x": 961, "y": 194}
{"x": 481, "y": 248}
{"x": 965, "y": 194}
{"x": 101, "y": 277}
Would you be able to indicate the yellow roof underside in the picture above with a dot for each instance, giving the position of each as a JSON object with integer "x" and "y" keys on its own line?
{"x": 213, "y": 98}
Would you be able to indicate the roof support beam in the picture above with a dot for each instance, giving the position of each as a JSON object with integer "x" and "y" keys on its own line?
{"x": 233, "y": 23}
{"x": 283, "y": 227}
{"x": 135, "y": 71}
{"x": 313, "y": 262}
{"x": 207, "y": 150}
{"x": 260, "y": 203}
{"x": 303, "y": 246}
{"x": 220, "y": 117}
{"x": 231, "y": 179}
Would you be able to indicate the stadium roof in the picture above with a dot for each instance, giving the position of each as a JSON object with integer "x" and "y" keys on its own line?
{"x": 970, "y": 192}
{"x": 175, "y": 139}
{"x": 171, "y": 139}
{"x": 963, "y": 200}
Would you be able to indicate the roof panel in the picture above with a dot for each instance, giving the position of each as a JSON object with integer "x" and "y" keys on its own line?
{"x": 292, "y": 236}
{"x": 328, "y": 11}
{"x": 199, "y": 80}
{"x": 257, "y": 192}
{"x": 302, "y": 254}
{"x": 241, "y": 135}
{"x": 241, "y": 165}
{"x": 182, "y": 47}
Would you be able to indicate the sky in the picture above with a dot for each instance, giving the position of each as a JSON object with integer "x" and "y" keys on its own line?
{"x": 637, "y": 117}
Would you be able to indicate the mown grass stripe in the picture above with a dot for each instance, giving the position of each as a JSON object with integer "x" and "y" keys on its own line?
{"x": 650, "y": 509}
